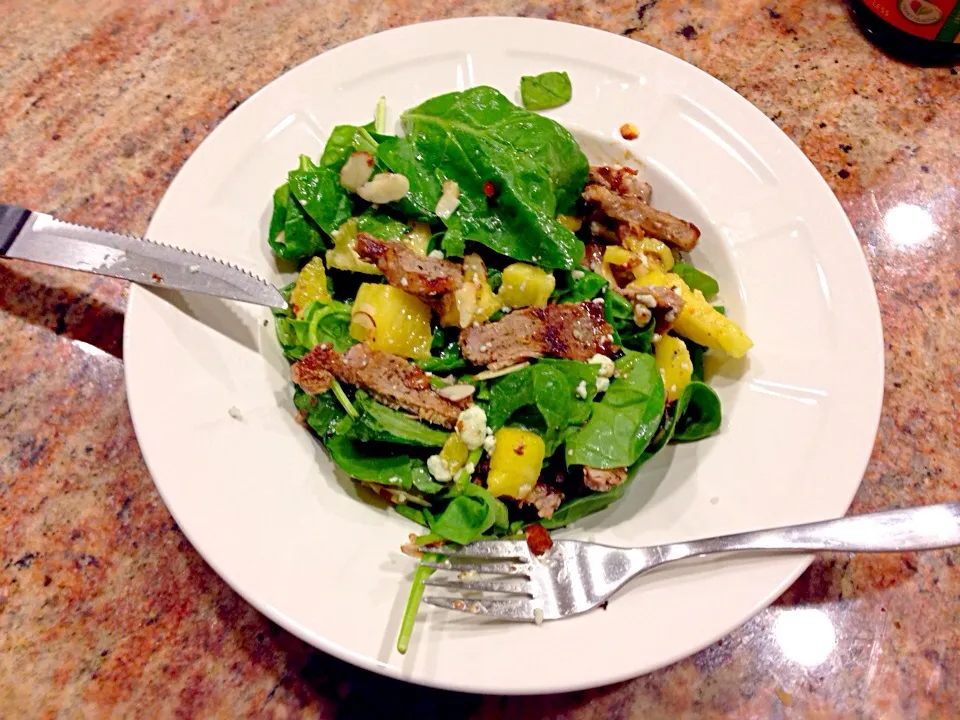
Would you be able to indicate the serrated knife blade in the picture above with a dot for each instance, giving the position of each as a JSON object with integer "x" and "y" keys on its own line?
{"x": 29, "y": 235}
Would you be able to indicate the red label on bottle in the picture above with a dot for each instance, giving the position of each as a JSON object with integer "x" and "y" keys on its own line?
{"x": 928, "y": 19}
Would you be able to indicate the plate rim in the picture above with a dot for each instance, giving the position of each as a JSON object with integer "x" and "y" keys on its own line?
{"x": 358, "y": 659}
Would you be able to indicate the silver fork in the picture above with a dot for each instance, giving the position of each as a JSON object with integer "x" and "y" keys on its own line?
{"x": 573, "y": 576}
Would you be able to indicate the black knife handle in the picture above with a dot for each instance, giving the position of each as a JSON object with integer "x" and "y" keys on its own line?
{"x": 12, "y": 219}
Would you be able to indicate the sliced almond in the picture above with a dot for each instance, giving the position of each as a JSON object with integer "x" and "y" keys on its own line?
{"x": 449, "y": 199}
{"x": 365, "y": 321}
{"x": 490, "y": 374}
{"x": 384, "y": 187}
{"x": 466, "y": 298}
{"x": 356, "y": 170}
{"x": 457, "y": 392}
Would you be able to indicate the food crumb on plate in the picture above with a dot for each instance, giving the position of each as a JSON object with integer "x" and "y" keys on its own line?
{"x": 629, "y": 131}
{"x": 235, "y": 413}
{"x": 538, "y": 616}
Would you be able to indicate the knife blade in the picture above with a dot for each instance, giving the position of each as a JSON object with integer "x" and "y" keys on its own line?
{"x": 29, "y": 235}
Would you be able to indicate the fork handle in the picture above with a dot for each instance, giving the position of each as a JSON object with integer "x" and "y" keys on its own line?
{"x": 919, "y": 528}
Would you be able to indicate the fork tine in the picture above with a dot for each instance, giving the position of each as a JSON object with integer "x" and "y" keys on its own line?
{"x": 513, "y": 586}
{"x": 487, "y": 549}
{"x": 517, "y": 609}
{"x": 508, "y": 568}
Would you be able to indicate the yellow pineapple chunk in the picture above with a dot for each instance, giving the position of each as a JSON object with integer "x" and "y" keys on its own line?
{"x": 311, "y": 285}
{"x": 699, "y": 321}
{"x": 525, "y": 286}
{"x": 656, "y": 252}
{"x": 417, "y": 239}
{"x": 515, "y": 463}
{"x": 673, "y": 361}
{"x": 571, "y": 223}
{"x": 616, "y": 255}
{"x": 343, "y": 256}
{"x": 389, "y": 319}
{"x": 454, "y": 453}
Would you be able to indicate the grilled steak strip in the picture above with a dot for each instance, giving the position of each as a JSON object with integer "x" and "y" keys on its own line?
{"x": 388, "y": 378}
{"x": 621, "y": 180}
{"x": 576, "y": 331}
{"x": 658, "y": 224}
{"x": 425, "y": 277}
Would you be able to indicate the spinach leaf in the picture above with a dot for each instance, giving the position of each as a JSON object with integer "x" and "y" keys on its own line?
{"x": 481, "y": 140}
{"x": 323, "y": 412}
{"x": 698, "y": 413}
{"x": 697, "y": 279}
{"x": 279, "y": 217}
{"x": 696, "y": 359}
{"x": 624, "y": 420}
{"x": 463, "y": 520}
{"x": 359, "y": 460}
{"x": 545, "y": 91}
{"x": 320, "y": 323}
{"x": 449, "y": 358}
{"x": 619, "y": 313}
{"x": 580, "y": 507}
{"x": 423, "y": 481}
{"x": 453, "y": 243}
{"x": 472, "y": 511}
{"x": 399, "y": 155}
{"x": 586, "y": 286}
{"x": 411, "y": 513}
{"x": 319, "y": 192}
{"x": 301, "y": 238}
{"x": 380, "y": 225}
{"x": 379, "y": 423}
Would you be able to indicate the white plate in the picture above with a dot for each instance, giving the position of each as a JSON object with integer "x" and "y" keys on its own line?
{"x": 257, "y": 496}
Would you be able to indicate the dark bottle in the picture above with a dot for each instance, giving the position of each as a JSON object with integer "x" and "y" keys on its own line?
{"x": 924, "y": 32}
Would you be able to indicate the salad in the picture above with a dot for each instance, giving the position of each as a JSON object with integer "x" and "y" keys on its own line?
{"x": 485, "y": 330}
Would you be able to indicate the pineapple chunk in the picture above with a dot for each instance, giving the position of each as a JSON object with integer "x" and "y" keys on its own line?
{"x": 525, "y": 285}
{"x": 571, "y": 223}
{"x": 616, "y": 255}
{"x": 389, "y": 319}
{"x": 698, "y": 320}
{"x": 343, "y": 256}
{"x": 673, "y": 361}
{"x": 515, "y": 463}
{"x": 656, "y": 252}
{"x": 311, "y": 285}
{"x": 454, "y": 453}
{"x": 417, "y": 239}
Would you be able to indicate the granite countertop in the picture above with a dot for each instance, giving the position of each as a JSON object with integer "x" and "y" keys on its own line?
{"x": 105, "y": 608}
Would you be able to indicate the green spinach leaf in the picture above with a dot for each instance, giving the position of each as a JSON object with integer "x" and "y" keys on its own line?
{"x": 697, "y": 279}
{"x": 379, "y": 423}
{"x": 323, "y": 412}
{"x": 360, "y": 460}
{"x": 279, "y": 217}
{"x": 698, "y": 413}
{"x": 319, "y": 192}
{"x": 545, "y": 91}
{"x": 624, "y": 420}
{"x": 516, "y": 170}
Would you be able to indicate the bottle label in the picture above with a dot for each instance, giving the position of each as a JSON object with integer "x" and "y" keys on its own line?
{"x": 927, "y": 19}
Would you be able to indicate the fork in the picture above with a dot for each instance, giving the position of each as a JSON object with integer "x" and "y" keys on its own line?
{"x": 574, "y": 576}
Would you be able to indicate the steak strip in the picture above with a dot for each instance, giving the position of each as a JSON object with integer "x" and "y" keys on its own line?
{"x": 425, "y": 277}
{"x": 388, "y": 378}
{"x": 576, "y": 331}
{"x": 658, "y": 224}
{"x": 621, "y": 180}
{"x": 602, "y": 480}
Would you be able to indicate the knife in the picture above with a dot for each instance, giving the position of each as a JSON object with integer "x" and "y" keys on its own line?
{"x": 29, "y": 235}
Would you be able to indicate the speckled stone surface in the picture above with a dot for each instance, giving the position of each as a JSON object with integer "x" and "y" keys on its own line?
{"x": 105, "y": 608}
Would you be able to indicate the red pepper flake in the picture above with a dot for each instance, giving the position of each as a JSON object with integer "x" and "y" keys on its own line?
{"x": 519, "y": 449}
{"x": 156, "y": 278}
{"x": 488, "y": 188}
{"x": 538, "y": 539}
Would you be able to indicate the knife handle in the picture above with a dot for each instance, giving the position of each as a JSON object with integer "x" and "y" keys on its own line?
{"x": 12, "y": 218}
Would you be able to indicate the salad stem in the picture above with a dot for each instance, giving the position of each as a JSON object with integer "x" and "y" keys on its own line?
{"x": 413, "y": 602}
{"x": 380, "y": 117}
{"x": 343, "y": 399}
